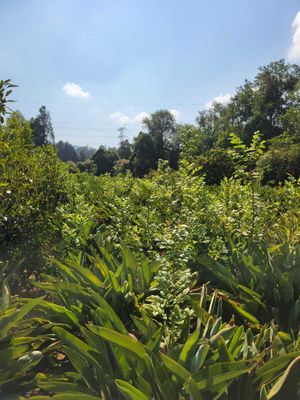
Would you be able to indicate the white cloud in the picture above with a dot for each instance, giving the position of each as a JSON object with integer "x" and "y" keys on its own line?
{"x": 176, "y": 114}
{"x": 123, "y": 119}
{"x": 74, "y": 90}
{"x": 222, "y": 98}
{"x": 294, "y": 51}
{"x": 140, "y": 117}
{"x": 120, "y": 117}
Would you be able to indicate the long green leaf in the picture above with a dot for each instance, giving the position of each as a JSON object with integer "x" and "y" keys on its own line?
{"x": 130, "y": 392}
{"x": 120, "y": 340}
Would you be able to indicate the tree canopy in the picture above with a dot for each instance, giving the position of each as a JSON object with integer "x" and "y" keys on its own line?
{"x": 42, "y": 129}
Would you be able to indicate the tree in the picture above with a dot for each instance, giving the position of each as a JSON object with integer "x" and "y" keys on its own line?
{"x": 125, "y": 150}
{"x": 280, "y": 161}
{"x": 144, "y": 156}
{"x": 33, "y": 183}
{"x": 161, "y": 126}
{"x": 273, "y": 85}
{"x": 41, "y": 126}
{"x": 5, "y": 90}
{"x": 161, "y": 141}
{"x": 212, "y": 124}
{"x": 66, "y": 151}
{"x": 16, "y": 126}
{"x": 85, "y": 153}
{"x": 269, "y": 105}
{"x": 104, "y": 160}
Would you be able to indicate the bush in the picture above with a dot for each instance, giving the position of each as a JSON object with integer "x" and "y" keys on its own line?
{"x": 216, "y": 164}
{"x": 276, "y": 165}
{"x": 33, "y": 183}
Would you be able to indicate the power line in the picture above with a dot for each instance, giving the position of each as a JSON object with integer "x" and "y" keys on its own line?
{"x": 112, "y": 104}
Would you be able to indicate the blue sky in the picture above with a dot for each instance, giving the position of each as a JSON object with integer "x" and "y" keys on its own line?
{"x": 100, "y": 64}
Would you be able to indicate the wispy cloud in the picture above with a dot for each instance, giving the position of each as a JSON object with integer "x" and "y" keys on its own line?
{"x": 294, "y": 50}
{"x": 74, "y": 90}
{"x": 222, "y": 98}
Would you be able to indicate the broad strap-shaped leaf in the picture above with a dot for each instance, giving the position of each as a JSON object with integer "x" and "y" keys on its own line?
{"x": 13, "y": 315}
{"x": 120, "y": 340}
{"x": 130, "y": 392}
{"x": 173, "y": 366}
{"x": 192, "y": 389}
{"x": 287, "y": 385}
{"x": 220, "y": 373}
{"x": 271, "y": 368}
{"x": 188, "y": 347}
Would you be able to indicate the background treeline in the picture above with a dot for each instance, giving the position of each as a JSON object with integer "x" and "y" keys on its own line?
{"x": 269, "y": 104}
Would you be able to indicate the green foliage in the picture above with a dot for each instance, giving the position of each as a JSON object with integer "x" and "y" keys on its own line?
{"x": 216, "y": 164}
{"x": 85, "y": 349}
{"x": 5, "y": 91}
{"x": 42, "y": 129}
{"x": 191, "y": 142}
{"x": 87, "y": 166}
{"x": 144, "y": 156}
{"x": 161, "y": 142}
{"x": 277, "y": 165}
{"x": 125, "y": 150}
{"x": 34, "y": 184}
{"x": 245, "y": 157}
{"x": 104, "y": 160}
{"x": 66, "y": 151}
{"x": 269, "y": 104}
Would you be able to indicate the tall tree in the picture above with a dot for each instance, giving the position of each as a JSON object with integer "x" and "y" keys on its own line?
{"x": 66, "y": 151}
{"x": 85, "y": 153}
{"x": 124, "y": 150}
{"x": 104, "y": 160}
{"x": 41, "y": 126}
{"x": 144, "y": 157}
{"x": 161, "y": 126}
{"x": 161, "y": 141}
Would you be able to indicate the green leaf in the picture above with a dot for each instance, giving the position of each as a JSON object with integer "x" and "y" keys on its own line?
{"x": 271, "y": 368}
{"x": 220, "y": 373}
{"x": 120, "y": 340}
{"x": 192, "y": 390}
{"x": 189, "y": 347}
{"x": 175, "y": 367}
{"x": 200, "y": 357}
{"x": 287, "y": 385}
{"x": 130, "y": 392}
{"x": 78, "y": 345}
{"x": 74, "y": 396}
{"x": 243, "y": 312}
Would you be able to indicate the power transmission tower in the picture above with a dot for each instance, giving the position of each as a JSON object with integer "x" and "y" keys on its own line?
{"x": 122, "y": 135}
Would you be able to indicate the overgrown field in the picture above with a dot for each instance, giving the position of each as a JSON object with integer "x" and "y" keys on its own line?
{"x": 155, "y": 288}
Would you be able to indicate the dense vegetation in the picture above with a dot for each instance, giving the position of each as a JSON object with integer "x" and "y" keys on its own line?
{"x": 165, "y": 269}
